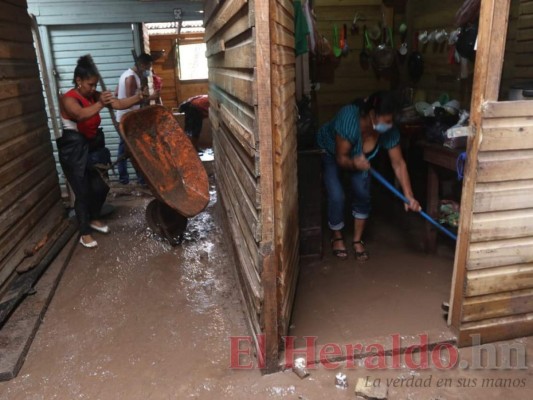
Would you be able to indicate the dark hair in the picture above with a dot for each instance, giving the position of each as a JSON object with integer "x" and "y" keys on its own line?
{"x": 383, "y": 103}
{"x": 84, "y": 69}
{"x": 145, "y": 58}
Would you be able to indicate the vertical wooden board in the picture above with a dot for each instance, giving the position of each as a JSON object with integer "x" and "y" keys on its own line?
{"x": 491, "y": 47}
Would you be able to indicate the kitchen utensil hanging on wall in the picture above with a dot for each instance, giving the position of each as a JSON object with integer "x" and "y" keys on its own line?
{"x": 364, "y": 57}
{"x": 337, "y": 51}
{"x": 345, "y": 48}
{"x": 415, "y": 64}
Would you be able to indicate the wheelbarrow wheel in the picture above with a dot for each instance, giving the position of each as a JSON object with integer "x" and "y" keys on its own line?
{"x": 166, "y": 222}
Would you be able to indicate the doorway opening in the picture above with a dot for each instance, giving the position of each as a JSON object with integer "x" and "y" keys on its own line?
{"x": 404, "y": 288}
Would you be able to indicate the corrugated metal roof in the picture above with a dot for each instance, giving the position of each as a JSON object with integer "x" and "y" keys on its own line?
{"x": 170, "y": 28}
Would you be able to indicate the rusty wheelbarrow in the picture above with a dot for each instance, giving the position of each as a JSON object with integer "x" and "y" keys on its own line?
{"x": 170, "y": 165}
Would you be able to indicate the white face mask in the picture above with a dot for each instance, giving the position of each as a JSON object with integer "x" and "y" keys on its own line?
{"x": 381, "y": 127}
{"x": 146, "y": 73}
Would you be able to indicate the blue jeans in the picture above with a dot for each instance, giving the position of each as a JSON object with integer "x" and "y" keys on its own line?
{"x": 360, "y": 192}
{"x": 123, "y": 175}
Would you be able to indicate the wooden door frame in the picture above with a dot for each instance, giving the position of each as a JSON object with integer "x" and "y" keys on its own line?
{"x": 492, "y": 35}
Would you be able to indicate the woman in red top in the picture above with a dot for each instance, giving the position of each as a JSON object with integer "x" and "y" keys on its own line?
{"x": 82, "y": 145}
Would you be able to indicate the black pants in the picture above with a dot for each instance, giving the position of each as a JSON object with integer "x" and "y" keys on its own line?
{"x": 193, "y": 120}
{"x": 86, "y": 183}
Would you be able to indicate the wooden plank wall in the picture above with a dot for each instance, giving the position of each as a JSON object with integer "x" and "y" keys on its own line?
{"x": 523, "y": 70}
{"x": 29, "y": 187}
{"x": 174, "y": 91}
{"x": 512, "y": 49}
{"x": 231, "y": 50}
{"x": 498, "y": 285}
{"x": 439, "y": 76}
{"x": 349, "y": 79}
{"x": 285, "y": 160}
{"x": 250, "y": 49}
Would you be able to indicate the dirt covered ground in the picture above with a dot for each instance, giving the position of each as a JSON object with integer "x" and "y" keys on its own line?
{"x": 138, "y": 319}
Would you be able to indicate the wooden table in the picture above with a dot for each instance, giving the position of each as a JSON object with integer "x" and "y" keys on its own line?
{"x": 437, "y": 156}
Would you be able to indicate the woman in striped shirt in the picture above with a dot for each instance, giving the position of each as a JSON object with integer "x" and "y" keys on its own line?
{"x": 350, "y": 141}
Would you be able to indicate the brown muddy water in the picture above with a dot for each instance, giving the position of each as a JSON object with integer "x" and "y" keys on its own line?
{"x": 139, "y": 319}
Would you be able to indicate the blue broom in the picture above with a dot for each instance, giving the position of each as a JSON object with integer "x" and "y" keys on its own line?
{"x": 385, "y": 183}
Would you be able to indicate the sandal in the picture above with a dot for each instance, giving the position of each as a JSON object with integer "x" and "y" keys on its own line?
{"x": 360, "y": 256}
{"x": 340, "y": 253}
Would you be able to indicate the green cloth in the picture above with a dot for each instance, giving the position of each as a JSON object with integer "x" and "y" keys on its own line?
{"x": 301, "y": 29}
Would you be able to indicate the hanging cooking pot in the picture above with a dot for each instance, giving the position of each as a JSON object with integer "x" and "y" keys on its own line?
{"x": 415, "y": 65}
{"x": 384, "y": 55}
{"x": 364, "y": 56}
{"x": 466, "y": 42}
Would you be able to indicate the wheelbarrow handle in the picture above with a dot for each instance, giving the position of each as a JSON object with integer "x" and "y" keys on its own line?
{"x": 386, "y": 183}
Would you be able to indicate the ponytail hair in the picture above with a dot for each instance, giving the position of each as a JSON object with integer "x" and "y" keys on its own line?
{"x": 84, "y": 69}
{"x": 383, "y": 103}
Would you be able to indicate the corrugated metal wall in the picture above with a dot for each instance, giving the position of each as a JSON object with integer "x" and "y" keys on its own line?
{"x": 110, "y": 45}
{"x": 29, "y": 191}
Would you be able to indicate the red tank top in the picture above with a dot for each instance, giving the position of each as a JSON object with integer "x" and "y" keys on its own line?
{"x": 89, "y": 127}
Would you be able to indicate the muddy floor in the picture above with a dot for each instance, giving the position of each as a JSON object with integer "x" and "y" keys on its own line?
{"x": 400, "y": 289}
{"x": 139, "y": 319}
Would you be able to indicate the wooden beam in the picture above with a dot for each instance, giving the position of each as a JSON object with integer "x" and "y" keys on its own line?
{"x": 266, "y": 161}
{"x": 488, "y": 69}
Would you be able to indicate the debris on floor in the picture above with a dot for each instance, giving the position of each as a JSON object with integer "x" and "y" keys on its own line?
{"x": 341, "y": 381}
{"x": 371, "y": 389}
{"x": 299, "y": 368}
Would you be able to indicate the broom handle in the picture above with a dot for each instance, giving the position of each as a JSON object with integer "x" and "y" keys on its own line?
{"x": 385, "y": 183}
{"x": 104, "y": 89}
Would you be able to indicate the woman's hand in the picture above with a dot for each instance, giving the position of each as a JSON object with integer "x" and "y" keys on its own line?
{"x": 413, "y": 205}
{"x": 106, "y": 98}
{"x": 360, "y": 163}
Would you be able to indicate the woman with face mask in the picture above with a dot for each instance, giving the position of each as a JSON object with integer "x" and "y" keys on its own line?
{"x": 351, "y": 140}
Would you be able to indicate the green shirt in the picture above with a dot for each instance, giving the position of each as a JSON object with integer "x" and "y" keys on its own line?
{"x": 346, "y": 124}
